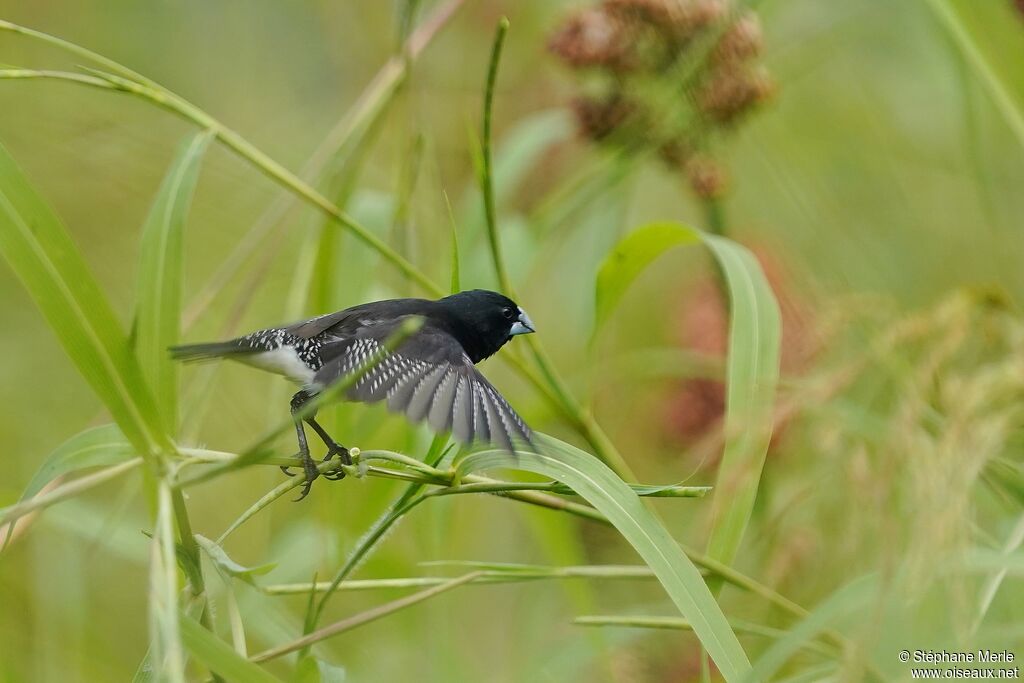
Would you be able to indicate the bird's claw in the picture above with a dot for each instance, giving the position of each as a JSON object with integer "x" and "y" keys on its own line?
{"x": 337, "y": 473}
{"x": 311, "y": 472}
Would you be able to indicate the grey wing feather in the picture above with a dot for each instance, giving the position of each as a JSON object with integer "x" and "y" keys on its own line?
{"x": 308, "y": 329}
{"x": 428, "y": 378}
{"x": 462, "y": 409}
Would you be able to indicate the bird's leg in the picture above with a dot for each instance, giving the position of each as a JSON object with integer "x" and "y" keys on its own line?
{"x": 333, "y": 448}
{"x": 308, "y": 466}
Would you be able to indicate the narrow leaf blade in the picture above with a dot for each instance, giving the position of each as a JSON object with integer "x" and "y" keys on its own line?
{"x": 752, "y": 373}
{"x": 218, "y": 656}
{"x": 228, "y": 566}
{"x": 630, "y": 257}
{"x": 158, "y": 303}
{"x": 95, "y": 447}
{"x": 168, "y": 660}
{"x": 752, "y": 369}
{"x": 43, "y": 256}
{"x": 592, "y": 480}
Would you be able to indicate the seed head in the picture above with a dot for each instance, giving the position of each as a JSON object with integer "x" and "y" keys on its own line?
{"x": 743, "y": 41}
{"x": 593, "y": 38}
{"x": 707, "y": 178}
{"x": 675, "y": 152}
{"x": 665, "y": 76}
{"x": 677, "y": 20}
{"x": 597, "y": 119}
{"x": 732, "y": 91}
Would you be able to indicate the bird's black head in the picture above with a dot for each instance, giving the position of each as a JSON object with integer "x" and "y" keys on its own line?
{"x": 483, "y": 321}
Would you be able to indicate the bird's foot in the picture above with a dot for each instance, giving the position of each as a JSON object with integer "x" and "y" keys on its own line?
{"x": 312, "y": 472}
{"x": 309, "y": 469}
{"x": 337, "y": 473}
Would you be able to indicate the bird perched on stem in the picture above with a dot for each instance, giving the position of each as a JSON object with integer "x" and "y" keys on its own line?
{"x": 428, "y": 375}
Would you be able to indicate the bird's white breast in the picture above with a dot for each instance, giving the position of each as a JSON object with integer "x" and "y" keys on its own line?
{"x": 284, "y": 360}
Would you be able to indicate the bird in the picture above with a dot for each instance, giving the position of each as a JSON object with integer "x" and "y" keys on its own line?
{"x": 429, "y": 375}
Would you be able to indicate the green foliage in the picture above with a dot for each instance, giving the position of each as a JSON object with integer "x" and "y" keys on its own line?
{"x": 606, "y": 492}
{"x": 897, "y": 426}
{"x": 158, "y": 305}
{"x": 40, "y": 251}
{"x": 631, "y": 257}
{"x": 845, "y": 600}
{"x": 218, "y": 655}
{"x": 991, "y": 59}
{"x": 753, "y": 362}
{"x": 226, "y": 565}
{"x": 95, "y": 447}
{"x": 313, "y": 670}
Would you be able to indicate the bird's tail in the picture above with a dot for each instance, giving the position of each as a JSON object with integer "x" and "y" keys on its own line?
{"x": 208, "y": 351}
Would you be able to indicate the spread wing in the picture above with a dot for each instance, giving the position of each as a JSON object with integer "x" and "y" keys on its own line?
{"x": 428, "y": 377}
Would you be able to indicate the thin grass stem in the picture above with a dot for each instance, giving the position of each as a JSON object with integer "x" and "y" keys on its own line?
{"x": 363, "y": 618}
{"x": 71, "y": 489}
{"x": 486, "y": 576}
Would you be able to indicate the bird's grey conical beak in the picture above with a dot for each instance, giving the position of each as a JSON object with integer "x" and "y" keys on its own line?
{"x": 522, "y": 325}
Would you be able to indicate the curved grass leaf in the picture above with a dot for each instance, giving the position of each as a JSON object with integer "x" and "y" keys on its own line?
{"x": 168, "y": 658}
{"x": 456, "y": 276}
{"x": 145, "y": 671}
{"x": 988, "y": 36}
{"x": 228, "y": 566}
{"x": 218, "y": 656}
{"x": 850, "y": 597}
{"x": 313, "y": 670}
{"x": 517, "y": 154}
{"x": 158, "y": 303}
{"x": 95, "y": 447}
{"x": 592, "y": 480}
{"x": 752, "y": 369}
{"x": 46, "y": 260}
{"x": 66, "y": 490}
{"x": 630, "y": 257}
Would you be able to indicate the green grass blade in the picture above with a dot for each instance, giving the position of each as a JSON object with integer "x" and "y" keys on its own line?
{"x": 456, "y": 279}
{"x": 752, "y": 369}
{"x": 158, "y": 303}
{"x": 361, "y": 618}
{"x": 75, "y": 487}
{"x": 95, "y": 447}
{"x": 218, "y": 656}
{"x": 605, "y": 491}
{"x": 630, "y": 257}
{"x": 678, "y": 624}
{"x": 168, "y": 657}
{"x": 486, "y": 175}
{"x": 228, "y": 566}
{"x": 313, "y": 670}
{"x": 46, "y": 260}
{"x": 842, "y": 602}
{"x": 145, "y": 672}
{"x": 752, "y": 373}
{"x": 979, "y": 48}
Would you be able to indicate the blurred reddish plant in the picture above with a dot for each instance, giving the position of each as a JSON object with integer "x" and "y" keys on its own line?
{"x": 696, "y": 405}
{"x": 665, "y": 76}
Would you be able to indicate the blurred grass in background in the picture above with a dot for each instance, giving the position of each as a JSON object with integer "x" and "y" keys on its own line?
{"x": 880, "y": 188}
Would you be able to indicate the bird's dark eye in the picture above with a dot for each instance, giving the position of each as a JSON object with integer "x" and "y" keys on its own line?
{"x": 508, "y": 313}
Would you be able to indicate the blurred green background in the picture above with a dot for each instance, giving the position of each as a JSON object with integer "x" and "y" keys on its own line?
{"x": 880, "y": 188}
